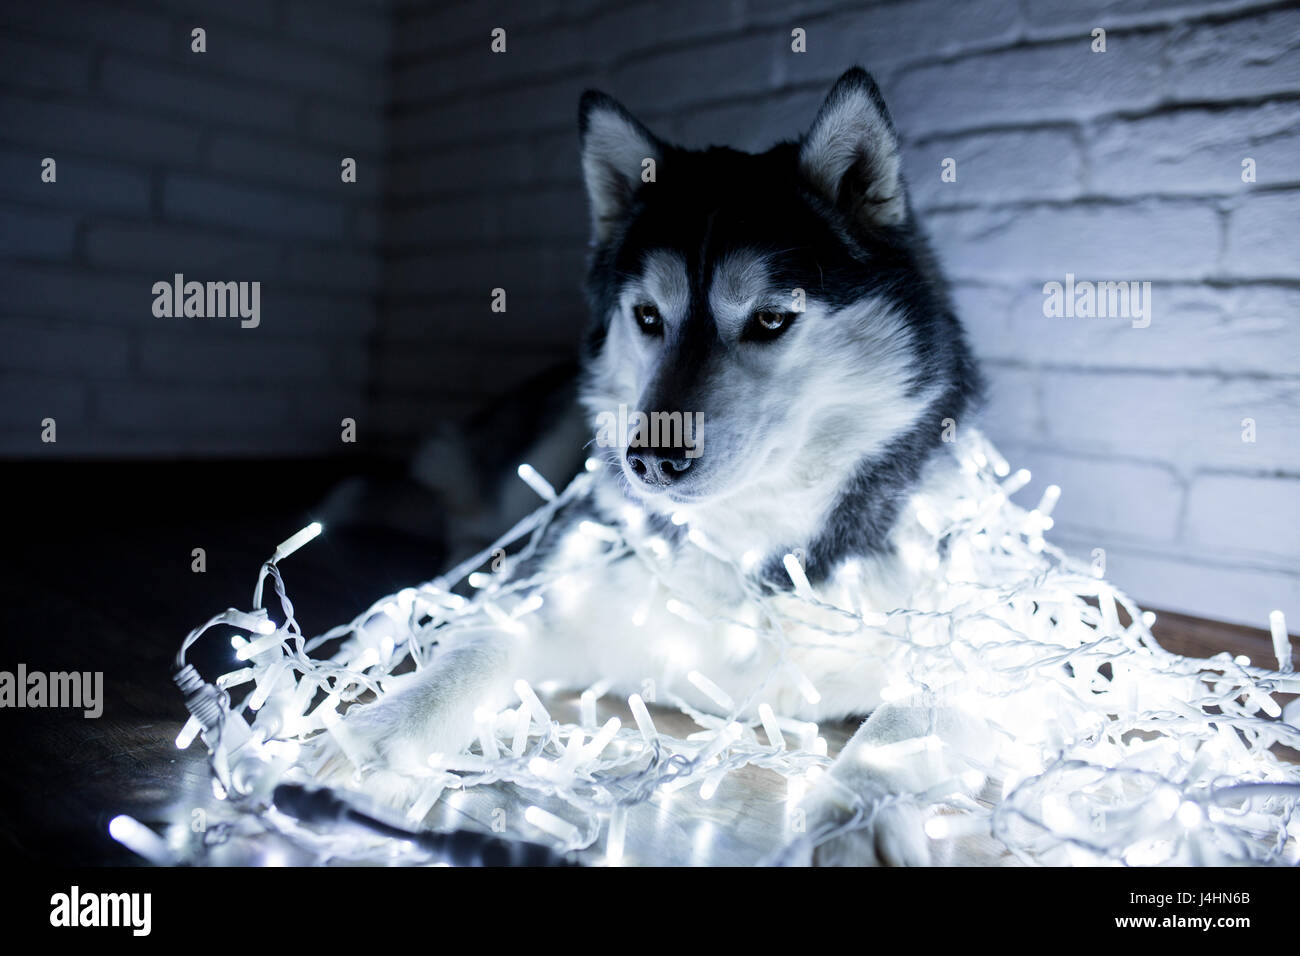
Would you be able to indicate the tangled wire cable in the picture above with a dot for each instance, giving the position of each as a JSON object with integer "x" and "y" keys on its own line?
{"x": 1106, "y": 748}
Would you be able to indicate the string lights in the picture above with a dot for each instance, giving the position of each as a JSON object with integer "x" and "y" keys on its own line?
{"x": 1104, "y": 748}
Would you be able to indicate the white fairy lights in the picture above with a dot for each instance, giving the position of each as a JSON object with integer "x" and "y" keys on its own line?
{"x": 1281, "y": 643}
{"x": 1105, "y": 748}
{"x": 535, "y": 481}
{"x": 296, "y": 541}
{"x": 139, "y": 839}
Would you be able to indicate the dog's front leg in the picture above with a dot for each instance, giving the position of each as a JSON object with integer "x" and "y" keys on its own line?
{"x": 866, "y": 800}
{"x": 430, "y": 711}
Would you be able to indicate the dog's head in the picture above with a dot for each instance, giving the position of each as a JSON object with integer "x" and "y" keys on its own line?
{"x": 757, "y": 316}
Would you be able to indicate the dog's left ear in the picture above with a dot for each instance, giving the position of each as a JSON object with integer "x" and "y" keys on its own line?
{"x": 850, "y": 155}
{"x": 615, "y": 147}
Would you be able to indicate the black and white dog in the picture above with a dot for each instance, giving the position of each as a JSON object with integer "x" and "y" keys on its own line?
{"x": 787, "y": 303}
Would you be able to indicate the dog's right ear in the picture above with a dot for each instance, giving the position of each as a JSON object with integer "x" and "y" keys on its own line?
{"x": 615, "y": 148}
{"x": 851, "y": 154}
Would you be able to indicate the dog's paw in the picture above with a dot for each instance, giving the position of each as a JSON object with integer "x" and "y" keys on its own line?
{"x": 396, "y": 734}
{"x": 354, "y": 746}
{"x": 894, "y": 836}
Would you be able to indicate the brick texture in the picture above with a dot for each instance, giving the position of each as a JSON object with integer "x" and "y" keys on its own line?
{"x": 1122, "y": 165}
{"x": 223, "y": 165}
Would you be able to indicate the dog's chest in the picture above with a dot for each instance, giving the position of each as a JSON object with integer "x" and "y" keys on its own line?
{"x": 651, "y": 621}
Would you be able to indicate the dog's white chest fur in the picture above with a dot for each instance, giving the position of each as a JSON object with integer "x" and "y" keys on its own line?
{"x": 645, "y": 623}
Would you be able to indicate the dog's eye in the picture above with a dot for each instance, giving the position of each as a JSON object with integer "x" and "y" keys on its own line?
{"x": 767, "y": 325}
{"x": 647, "y": 319}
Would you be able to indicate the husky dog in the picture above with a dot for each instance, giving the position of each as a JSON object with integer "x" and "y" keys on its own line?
{"x": 788, "y": 302}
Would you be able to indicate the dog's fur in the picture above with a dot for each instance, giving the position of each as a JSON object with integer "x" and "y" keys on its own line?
{"x": 814, "y": 439}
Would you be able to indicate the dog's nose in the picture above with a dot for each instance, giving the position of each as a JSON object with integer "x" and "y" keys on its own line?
{"x": 657, "y": 467}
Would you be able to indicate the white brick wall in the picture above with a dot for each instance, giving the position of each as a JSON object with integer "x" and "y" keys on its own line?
{"x": 1114, "y": 166}
{"x": 223, "y": 166}
{"x": 1122, "y": 165}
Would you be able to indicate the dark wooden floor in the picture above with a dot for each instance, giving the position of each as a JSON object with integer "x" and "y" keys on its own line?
{"x": 99, "y": 578}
